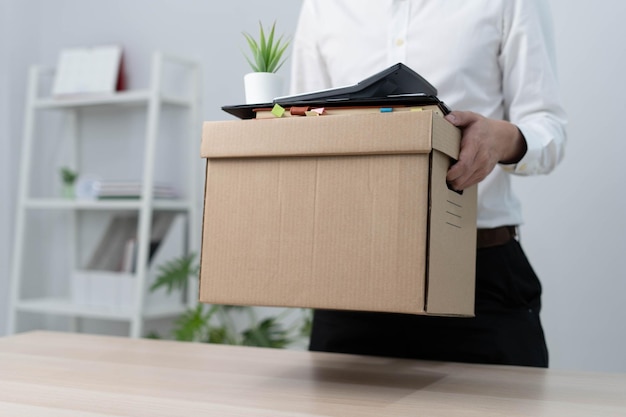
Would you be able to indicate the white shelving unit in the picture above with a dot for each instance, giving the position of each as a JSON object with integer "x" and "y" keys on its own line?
{"x": 152, "y": 102}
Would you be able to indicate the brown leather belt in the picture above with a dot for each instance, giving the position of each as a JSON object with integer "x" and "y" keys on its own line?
{"x": 486, "y": 238}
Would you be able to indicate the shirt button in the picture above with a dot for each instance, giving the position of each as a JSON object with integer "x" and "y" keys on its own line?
{"x": 399, "y": 42}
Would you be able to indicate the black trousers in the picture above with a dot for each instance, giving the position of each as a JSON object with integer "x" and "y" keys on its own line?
{"x": 505, "y": 330}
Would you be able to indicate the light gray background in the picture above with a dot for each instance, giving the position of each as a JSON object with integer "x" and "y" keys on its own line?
{"x": 575, "y": 231}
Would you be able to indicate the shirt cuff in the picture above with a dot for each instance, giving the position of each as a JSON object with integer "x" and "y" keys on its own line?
{"x": 530, "y": 162}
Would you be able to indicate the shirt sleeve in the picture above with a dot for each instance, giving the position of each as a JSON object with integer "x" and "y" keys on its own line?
{"x": 308, "y": 71}
{"x": 530, "y": 85}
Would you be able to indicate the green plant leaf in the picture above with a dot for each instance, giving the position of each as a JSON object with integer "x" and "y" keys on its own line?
{"x": 262, "y": 49}
{"x": 274, "y": 63}
{"x": 254, "y": 48}
{"x": 175, "y": 273}
{"x": 219, "y": 335}
{"x": 192, "y": 324}
{"x": 153, "y": 335}
{"x": 268, "y": 333}
{"x": 224, "y": 317}
{"x": 306, "y": 323}
{"x": 267, "y": 52}
{"x": 67, "y": 175}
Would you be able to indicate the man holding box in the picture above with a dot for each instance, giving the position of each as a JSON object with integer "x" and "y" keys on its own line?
{"x": 493, "y": 59}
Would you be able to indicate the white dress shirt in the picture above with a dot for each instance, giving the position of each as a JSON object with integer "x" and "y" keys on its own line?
{"x": 493, "y": 57}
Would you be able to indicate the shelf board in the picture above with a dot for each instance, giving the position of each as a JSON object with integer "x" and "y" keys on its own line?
{"x": 65, "y": 307}
{"x": 138, "y": 97}
{"x": 109, "y": 204}
{"x": 172, "y": 205}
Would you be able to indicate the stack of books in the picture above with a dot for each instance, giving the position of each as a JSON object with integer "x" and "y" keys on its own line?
{"x": 131, "y": 189}
{"x": 98, "y": 189}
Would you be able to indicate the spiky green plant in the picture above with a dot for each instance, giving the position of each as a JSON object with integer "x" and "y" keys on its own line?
{"x": 267, "y": 52}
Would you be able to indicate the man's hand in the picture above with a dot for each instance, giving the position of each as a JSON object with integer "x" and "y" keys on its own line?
{"x": 485, "y": 143}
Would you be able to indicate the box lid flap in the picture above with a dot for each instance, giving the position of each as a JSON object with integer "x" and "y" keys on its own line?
{"x": 446, "y": 137}
{"x": 376, "y": 133}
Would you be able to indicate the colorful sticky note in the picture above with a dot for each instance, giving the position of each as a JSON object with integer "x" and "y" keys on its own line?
{"x": 298, "y": 111}
{"x": 278, "y": 110}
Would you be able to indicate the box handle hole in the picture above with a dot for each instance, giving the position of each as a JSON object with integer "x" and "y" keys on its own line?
{"x": 459, "y": 192}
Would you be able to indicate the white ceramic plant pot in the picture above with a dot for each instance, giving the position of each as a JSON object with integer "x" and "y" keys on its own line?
{"x": 262, "y": 87}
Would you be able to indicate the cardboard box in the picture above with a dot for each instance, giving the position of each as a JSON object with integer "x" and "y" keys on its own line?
{"x": 337, "y": 212}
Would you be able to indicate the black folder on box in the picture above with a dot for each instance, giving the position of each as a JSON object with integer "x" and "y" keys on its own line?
{"x": 396, "y": 85}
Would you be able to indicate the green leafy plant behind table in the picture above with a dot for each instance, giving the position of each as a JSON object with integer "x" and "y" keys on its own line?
{"x": 226, "y": 324}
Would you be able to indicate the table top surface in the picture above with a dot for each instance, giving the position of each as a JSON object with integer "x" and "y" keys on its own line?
{"x": 69, "y": 375}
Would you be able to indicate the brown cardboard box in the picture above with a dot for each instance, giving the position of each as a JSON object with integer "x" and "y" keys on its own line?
{"x": 342, "y": 212}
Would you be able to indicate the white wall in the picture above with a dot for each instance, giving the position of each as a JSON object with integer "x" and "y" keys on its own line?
{"x": 18, "y": 45}
{"x": 5, "y": 189}
{"x": 575, "y": 229}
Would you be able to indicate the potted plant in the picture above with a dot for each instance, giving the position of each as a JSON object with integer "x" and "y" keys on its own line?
{"x": 68, "y": 178}
{"x": 266, "y": 57}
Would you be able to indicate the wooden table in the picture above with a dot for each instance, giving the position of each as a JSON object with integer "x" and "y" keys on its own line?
{"x": 59, "y": 374}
